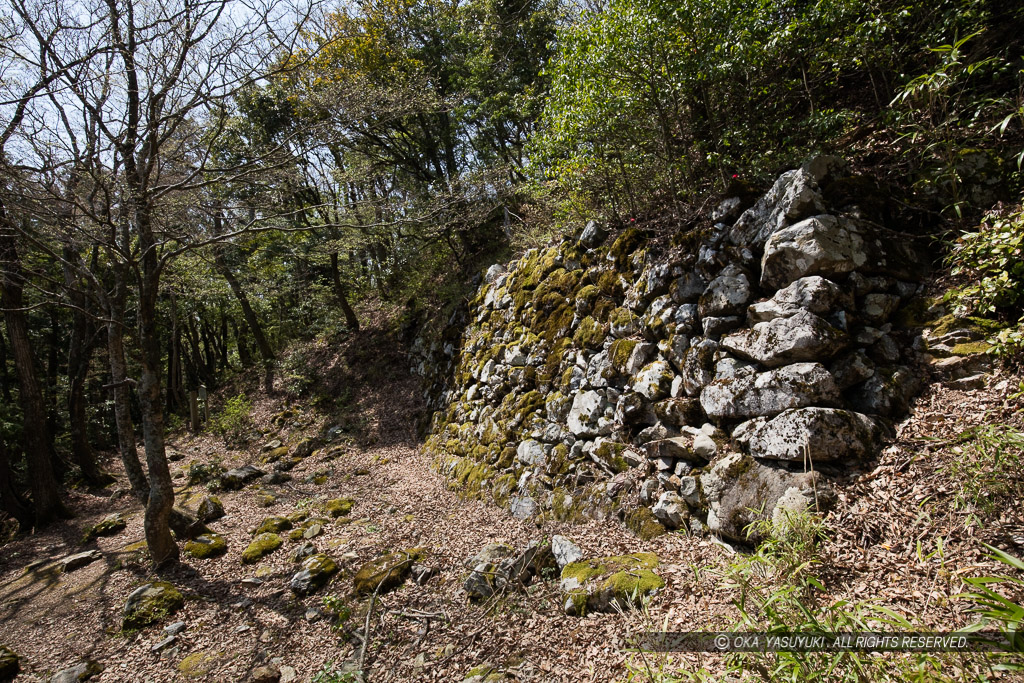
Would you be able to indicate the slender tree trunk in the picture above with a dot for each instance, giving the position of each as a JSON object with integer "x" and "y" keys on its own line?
{"x": 244, "y": 356}
{"x": 46, "y": 498}
{"x": 80, "y": 349}
{"x": 162, "y": 549}
{"x": 122, "y": 392}
{"x": 11, "y": 501}
{"x": 5, "y": 380}
{"x": 339, "y": 291}
{"x": 266, "y": 353}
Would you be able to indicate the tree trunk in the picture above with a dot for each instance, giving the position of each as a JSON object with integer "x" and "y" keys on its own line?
{"x": 46, "y": 498}
{"x": 266, "y": 353}
{"x": 162, "y": 549}
{"x": 122, "y": 394}
{"x": 80, "y": 348}
{"x": 11, "y": 501}
{"x": 339, "y": 291}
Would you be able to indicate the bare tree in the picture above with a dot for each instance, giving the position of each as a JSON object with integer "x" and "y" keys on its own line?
{"x": 137, "y": 99}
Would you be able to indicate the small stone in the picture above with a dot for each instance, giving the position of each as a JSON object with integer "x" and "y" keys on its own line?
{"x": 316, "y": 572}
{"x": 175, "y": 628}
{"x": 164, "y": 644}
{"x": 565, "y": 551}
{"x": 266, "y": 673}
{"x": 210, "y": 508}
{"x": 73, "y": 562}
{"x": 150, "y": 603}
{"x": 80, "y": 672}
{"x": 251, "y": 582}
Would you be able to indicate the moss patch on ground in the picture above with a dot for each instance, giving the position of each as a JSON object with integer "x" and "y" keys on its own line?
{"x": 340, "y": 507}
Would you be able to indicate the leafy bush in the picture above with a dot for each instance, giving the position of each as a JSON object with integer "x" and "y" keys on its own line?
{"x": 657, "y": 99}
{"x": 234, "y": 419}
{"x": 993, "y": 258}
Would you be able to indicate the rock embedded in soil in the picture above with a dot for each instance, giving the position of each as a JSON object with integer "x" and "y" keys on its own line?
{"x": 340, "y": 507}
{"x": 79, "y": 560}
{"x": 239, "y": 477}
{"x": 206, "y": 545}
{"x": 386, "y": 572}
{"x": 150, "y": 603}
{"x": 566, "y": 552}
{"x": 210, "y": 509}
{"x": 110, "y": 525}
{"x": 273, "y": 525}
{"x": 185, "y": 525}
{"x": 316, "y": 571}
{"x": 604, "y": 584}
{"x": 261, "y": 546}
{"x": 80, "y": 672}
{"x": 818, "y": 434}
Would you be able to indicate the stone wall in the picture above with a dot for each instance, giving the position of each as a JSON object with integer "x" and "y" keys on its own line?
{"x": 703, "y": 384}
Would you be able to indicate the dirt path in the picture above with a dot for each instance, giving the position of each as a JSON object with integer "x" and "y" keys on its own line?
{"x": 56, "y": 620}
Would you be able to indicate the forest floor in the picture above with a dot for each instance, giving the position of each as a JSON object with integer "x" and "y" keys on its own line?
{"x": 898, "y": 538}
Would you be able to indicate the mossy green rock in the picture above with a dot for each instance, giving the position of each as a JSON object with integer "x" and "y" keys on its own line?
{"x": 9, "y": 663}
{"x": 316, "y": 571}
{"x": 340, "y": 507}
{"x": 206, "y": 545}
{"x": 108, "y": 527}
{"x": 200, "y": 664}
{"x": 149, "y": 604}
{"x": 387, "y": 572}
{"x": 210, "y": 508}
{"x": 273, "y": 525}
{"x": 609, "y": 583}
{"x": 262, "y": 545}
{"x": 644, "y": 524}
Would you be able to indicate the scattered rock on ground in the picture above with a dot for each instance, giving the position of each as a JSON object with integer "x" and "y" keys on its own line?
{"x": 80, "y": 672}
{"x": 386, "y": 572}
{"x": 210, "y": 509}
{"x": 10, "y": 663}
{"x": 206, "y": 545}
{"x": 602, "y": 584}
{"x": 108, "y": 526}
{"x": 239, "y": 477}
{"x": 78, "y": 560}
{"x": 262, "y": 545}
{"x": 315, "y": 573}
{"x": 150, "y": 603}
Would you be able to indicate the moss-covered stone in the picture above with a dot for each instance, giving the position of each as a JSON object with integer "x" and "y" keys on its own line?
{"x": 316, "y": 571}
{"x": 644, "y": 524}
{"x": 970, "y": 348}
{"x": 340, "y": 507}
{"x": 10, "y": 663}
{"x": 273, "y": 525}
{"x": 275, "y": 454}
{"x": 261, "y": 546}
{"x": 387, "y": 572}
{"x": 624, "y": 246}
{"x": 604, "y": 584}
{"x": 206, "y": 545}
{"x": 149, "y": 604}
{"x": 620, "y": 352}
{"x": 109, "y": 526}
{"x": 590, "y": 334}
{"x": 201, "y": 664}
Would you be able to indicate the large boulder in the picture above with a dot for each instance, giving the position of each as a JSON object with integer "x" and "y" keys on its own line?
{"x": 770, "y": 393}
{"x": 741, "y": 491}
{"x": 812, "y": 293}
{"x": 822, "y": 434}
{"x": 587, "y": 415}
{"x": 794, "y": 196}
{"x": 829, "y": 246}
{"x": 609, "y": 583}
{"x": 149, "y": 604}
{"x": 802, "y": 336}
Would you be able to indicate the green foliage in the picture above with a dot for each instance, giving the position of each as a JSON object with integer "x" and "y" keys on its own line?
{"x": 988, "y": 470}
{"x": 992, "y": 257}
{"x": 234, "y": 419}
{"x": 654, "y": 99}
{"x": 995, "y": 608}
{"x": 328, "y": 674}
